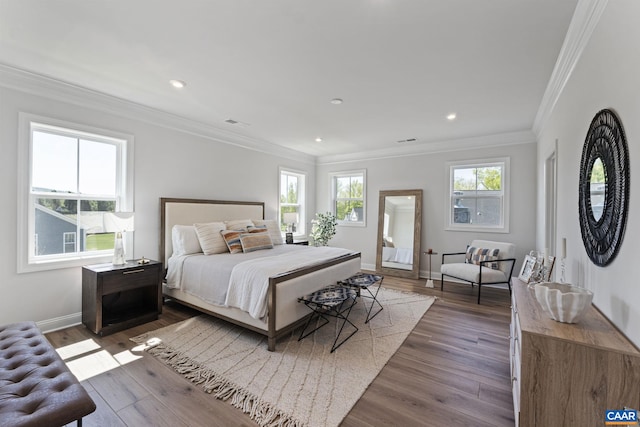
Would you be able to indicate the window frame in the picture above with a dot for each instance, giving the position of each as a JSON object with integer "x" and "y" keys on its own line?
{"x": 333, "y": 196}
{"x": 27, "y": 261}
{"x": 301, "y": 230}
{"x": 504, "y": 163}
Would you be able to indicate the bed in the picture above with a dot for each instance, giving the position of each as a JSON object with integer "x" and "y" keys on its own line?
{"x": 282, "y": 311}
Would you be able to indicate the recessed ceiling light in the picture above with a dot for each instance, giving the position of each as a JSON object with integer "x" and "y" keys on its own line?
{"x": 451, "y": 116}
{"x": 178, "y": 84}
{"x": 337, "y": 101}
{"x": 318, "y": 139}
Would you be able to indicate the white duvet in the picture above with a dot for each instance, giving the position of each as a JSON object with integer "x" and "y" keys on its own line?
{"x": 242, "y": 280}
{"x": 399, "y": 255}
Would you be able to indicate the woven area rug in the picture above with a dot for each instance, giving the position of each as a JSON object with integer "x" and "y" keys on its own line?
{"x": 299, "y": 384}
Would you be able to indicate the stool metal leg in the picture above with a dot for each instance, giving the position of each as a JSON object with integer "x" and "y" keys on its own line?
{"x": 315, "y": 315}
{"x": 374, "y": 298}
{"x": 344, "y": 322}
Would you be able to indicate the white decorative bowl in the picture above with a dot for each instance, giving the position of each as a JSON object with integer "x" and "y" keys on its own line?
{"x": 563, "y": 302}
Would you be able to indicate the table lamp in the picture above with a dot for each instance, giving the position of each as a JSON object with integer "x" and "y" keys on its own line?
{"x": 290, "y": 218}
{"x": 118, "y": 223}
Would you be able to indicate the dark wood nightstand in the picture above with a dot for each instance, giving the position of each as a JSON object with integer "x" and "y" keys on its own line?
{"x": 300, "y": 242}
{"x": 117, "y": 297}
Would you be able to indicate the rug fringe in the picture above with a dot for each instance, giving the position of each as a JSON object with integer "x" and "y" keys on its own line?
{"x": 263, "y": 413}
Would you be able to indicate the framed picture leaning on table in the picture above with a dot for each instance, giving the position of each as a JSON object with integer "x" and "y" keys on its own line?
{"x": 528, "y": 267}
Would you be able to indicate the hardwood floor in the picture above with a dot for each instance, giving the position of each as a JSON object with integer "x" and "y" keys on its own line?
{"x": 453, "y": 369}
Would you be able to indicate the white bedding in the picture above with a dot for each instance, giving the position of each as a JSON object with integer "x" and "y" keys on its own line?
{"x": 399, "y": 255}
{"x": 241, "y": 280}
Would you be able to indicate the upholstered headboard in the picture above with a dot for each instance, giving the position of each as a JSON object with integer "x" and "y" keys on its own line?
{"x": 191, "y": 211}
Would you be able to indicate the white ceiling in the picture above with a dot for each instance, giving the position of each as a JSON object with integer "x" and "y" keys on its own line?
{"x": 400, "y": 65}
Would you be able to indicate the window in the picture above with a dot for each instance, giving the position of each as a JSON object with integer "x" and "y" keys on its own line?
{"x": 478, "y": 196}
{"x": 69, "y": 241}
{"x": 72, "y": 177}
{"x": 348, "y": 190}
{"x": 292, "y": 202}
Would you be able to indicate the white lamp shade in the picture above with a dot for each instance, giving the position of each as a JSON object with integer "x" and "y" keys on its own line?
{"x": 290, "y": 217}
{"x": 118, "y": 221}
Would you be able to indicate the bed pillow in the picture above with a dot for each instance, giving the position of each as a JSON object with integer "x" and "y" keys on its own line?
{"x": 238, "y": 224}
{"x": 475, "y": 255}
{"x": 232, "y": 240}
{"x": 273, "y": 227}
{"x": 184, "y": 240}
{"x": 210, "y": 239}
{"x": 255, "y": 241}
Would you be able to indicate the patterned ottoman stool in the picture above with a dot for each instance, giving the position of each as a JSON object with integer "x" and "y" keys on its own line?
{"x": 332, "y": 301}
{"x": 363, "y": 281}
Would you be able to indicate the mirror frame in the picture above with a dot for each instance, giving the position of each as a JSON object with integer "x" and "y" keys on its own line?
{"x": 414, "y": 273}
{"x": 605, "y": 140}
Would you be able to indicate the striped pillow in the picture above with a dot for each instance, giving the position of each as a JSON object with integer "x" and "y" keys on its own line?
{"x": 475, "y": 255}
{"x": 210, "y": 239}
{"x": 257, "y": 229}
{"x": 232, "y": 239}
{"x": 255, "y": 241}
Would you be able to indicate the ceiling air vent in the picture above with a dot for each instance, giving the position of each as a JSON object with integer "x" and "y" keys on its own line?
{"x": 236, "y": 123}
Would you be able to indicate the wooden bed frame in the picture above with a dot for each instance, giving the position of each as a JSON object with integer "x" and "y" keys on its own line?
{"x": 284, "y": 313}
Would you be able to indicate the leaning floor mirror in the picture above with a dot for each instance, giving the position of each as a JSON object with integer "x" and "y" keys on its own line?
{"x": 399, "y": 225}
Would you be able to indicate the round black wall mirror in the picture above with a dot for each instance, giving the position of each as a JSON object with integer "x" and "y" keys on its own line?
{"x": 603, "y": 199}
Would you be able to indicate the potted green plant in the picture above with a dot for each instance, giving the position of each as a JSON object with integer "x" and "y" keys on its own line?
{"x": 323, "y": 228}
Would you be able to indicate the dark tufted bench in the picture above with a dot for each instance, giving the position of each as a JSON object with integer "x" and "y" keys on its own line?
{"x": 36, "y": 387}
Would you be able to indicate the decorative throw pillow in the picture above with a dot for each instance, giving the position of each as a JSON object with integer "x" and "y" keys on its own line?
{"x": 475, "y": 255}
{"x": 210, "y": 239}
{"x": 274, "y": 229}
{"x": 252, "y": 242}
{"x": 184, "y": 240}
{"x": 232, "y": 240}
{"x": 238, "y": 224}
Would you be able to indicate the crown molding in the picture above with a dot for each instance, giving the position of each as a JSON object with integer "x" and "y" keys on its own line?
{"x": 583, "y": 23}
{"x": 487, "y": 141}
{"x": 40, "y": 85}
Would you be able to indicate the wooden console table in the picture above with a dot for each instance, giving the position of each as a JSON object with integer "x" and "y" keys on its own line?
{"x": 568, "y": 374}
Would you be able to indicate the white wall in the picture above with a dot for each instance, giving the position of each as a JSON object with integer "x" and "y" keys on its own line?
{"x": 430, "y": 173}
{"x": 606, "y": 76}
{"x": 168, "y": 163}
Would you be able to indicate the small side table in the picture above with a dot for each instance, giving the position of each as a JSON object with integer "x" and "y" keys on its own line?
{"x": 429, "y": 283}
{"x": 117, "y": 297}
{"x": 332, "y": 301}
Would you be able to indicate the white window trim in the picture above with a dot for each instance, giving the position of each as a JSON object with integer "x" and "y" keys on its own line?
{"x": 303, "y": 203}
{"x": 332, "y": 196}
{"x": 506, "y": 208}
{"x": 25, "y": 215}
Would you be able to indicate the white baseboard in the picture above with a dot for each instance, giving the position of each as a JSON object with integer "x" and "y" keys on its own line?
{"x": 58, "y": 323}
